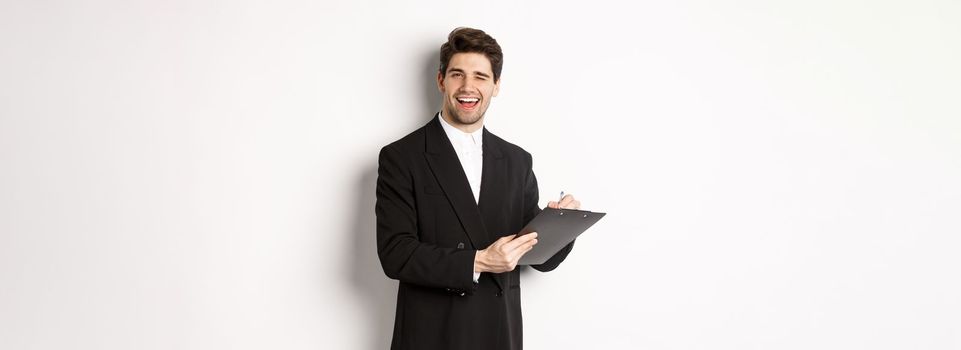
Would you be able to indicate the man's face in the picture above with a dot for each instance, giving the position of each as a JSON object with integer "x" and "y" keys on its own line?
{"x": 468, "y": 86}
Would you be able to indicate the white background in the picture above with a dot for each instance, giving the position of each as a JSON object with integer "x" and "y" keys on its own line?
{"x": 200, "y": 174}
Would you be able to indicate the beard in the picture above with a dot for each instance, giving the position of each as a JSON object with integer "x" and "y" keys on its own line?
{"x": 465, "y": 119}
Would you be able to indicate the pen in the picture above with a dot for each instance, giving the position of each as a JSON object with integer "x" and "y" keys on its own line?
{"x": 559, "y": 200}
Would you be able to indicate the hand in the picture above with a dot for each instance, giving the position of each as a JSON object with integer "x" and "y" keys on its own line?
{"x": 504, "y": 253}
{"x": 568, "y": 202}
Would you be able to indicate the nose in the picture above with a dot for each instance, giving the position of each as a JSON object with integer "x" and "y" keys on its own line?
{"x": 468, "y": 86}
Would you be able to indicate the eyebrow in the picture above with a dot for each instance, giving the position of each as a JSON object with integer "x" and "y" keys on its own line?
{"x": 458, "y": 70}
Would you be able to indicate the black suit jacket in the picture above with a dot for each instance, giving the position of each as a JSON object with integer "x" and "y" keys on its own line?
{"x": 428, "y": 229}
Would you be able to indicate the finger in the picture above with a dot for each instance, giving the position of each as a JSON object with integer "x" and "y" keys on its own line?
{"x": 506, "y": 247}
{"x": 520, "y": 251}
{"x": 519, "y": 241}
{"x": 552, "y": 204}
{"x": 502, "y": 240}
{"x": 576, "y": 205}
{"x": 566, "y": 201}
{"x": 530, "y": 245}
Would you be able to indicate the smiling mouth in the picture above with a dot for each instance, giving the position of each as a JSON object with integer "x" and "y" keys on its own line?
{"x": 468, "y": 102}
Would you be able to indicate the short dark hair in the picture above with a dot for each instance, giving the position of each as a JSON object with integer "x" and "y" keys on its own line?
{"x": 463, "y": 40}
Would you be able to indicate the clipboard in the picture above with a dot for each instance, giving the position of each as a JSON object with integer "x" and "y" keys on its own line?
{"x": 555, "y": 229}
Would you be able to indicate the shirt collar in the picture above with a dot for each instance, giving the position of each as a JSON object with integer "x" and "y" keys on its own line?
{"x": 459, "y": 138}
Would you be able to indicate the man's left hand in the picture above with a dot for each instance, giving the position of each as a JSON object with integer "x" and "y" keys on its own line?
{"x": 567, "y": 202}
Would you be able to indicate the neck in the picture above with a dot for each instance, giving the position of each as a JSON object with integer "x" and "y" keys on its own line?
{"x": 466, "y": 128}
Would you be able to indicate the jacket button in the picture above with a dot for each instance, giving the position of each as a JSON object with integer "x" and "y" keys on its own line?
{"x": 463, "y": 293}
{"x": 460, "y": 245}
{"x": 499, "y": 294}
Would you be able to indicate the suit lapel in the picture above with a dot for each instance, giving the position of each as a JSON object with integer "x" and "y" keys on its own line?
{"x": 492, "y": 192}
{"x": 450, "y": 175}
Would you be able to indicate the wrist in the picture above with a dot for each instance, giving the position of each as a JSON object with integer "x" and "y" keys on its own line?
{"x": 480, "y": 264}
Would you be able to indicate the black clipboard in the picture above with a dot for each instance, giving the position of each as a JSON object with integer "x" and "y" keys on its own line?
{"x": 555, "y": 229}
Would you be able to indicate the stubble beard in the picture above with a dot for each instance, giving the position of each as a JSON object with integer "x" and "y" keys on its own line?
{"x": 465, "y": 120}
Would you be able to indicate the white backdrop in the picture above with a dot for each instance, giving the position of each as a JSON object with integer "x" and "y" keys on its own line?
{"x": 200, "y": 174}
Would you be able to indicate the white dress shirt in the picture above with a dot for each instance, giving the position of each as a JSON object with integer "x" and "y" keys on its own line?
{"x": 470, "y": 152}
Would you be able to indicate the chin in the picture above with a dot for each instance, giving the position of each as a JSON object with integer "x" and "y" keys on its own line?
{"x": 468, "y": 121}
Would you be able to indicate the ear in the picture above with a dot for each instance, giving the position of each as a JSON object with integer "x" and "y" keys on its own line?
{"x": 440, "y": 82}
{"x": 497, "y": 86}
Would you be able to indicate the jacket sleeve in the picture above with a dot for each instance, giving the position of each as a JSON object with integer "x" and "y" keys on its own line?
{"x": 531, "y": 210}
{"x": 402, "y": 255}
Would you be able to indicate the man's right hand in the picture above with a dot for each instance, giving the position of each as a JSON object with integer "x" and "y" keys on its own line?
{"x": 504, "y": 253}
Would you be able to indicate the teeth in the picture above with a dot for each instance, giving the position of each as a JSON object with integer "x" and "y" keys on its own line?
{"x": 468, "y": 99}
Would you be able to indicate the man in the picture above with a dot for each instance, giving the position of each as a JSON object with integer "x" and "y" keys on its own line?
{"x": 451, "y": 197}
